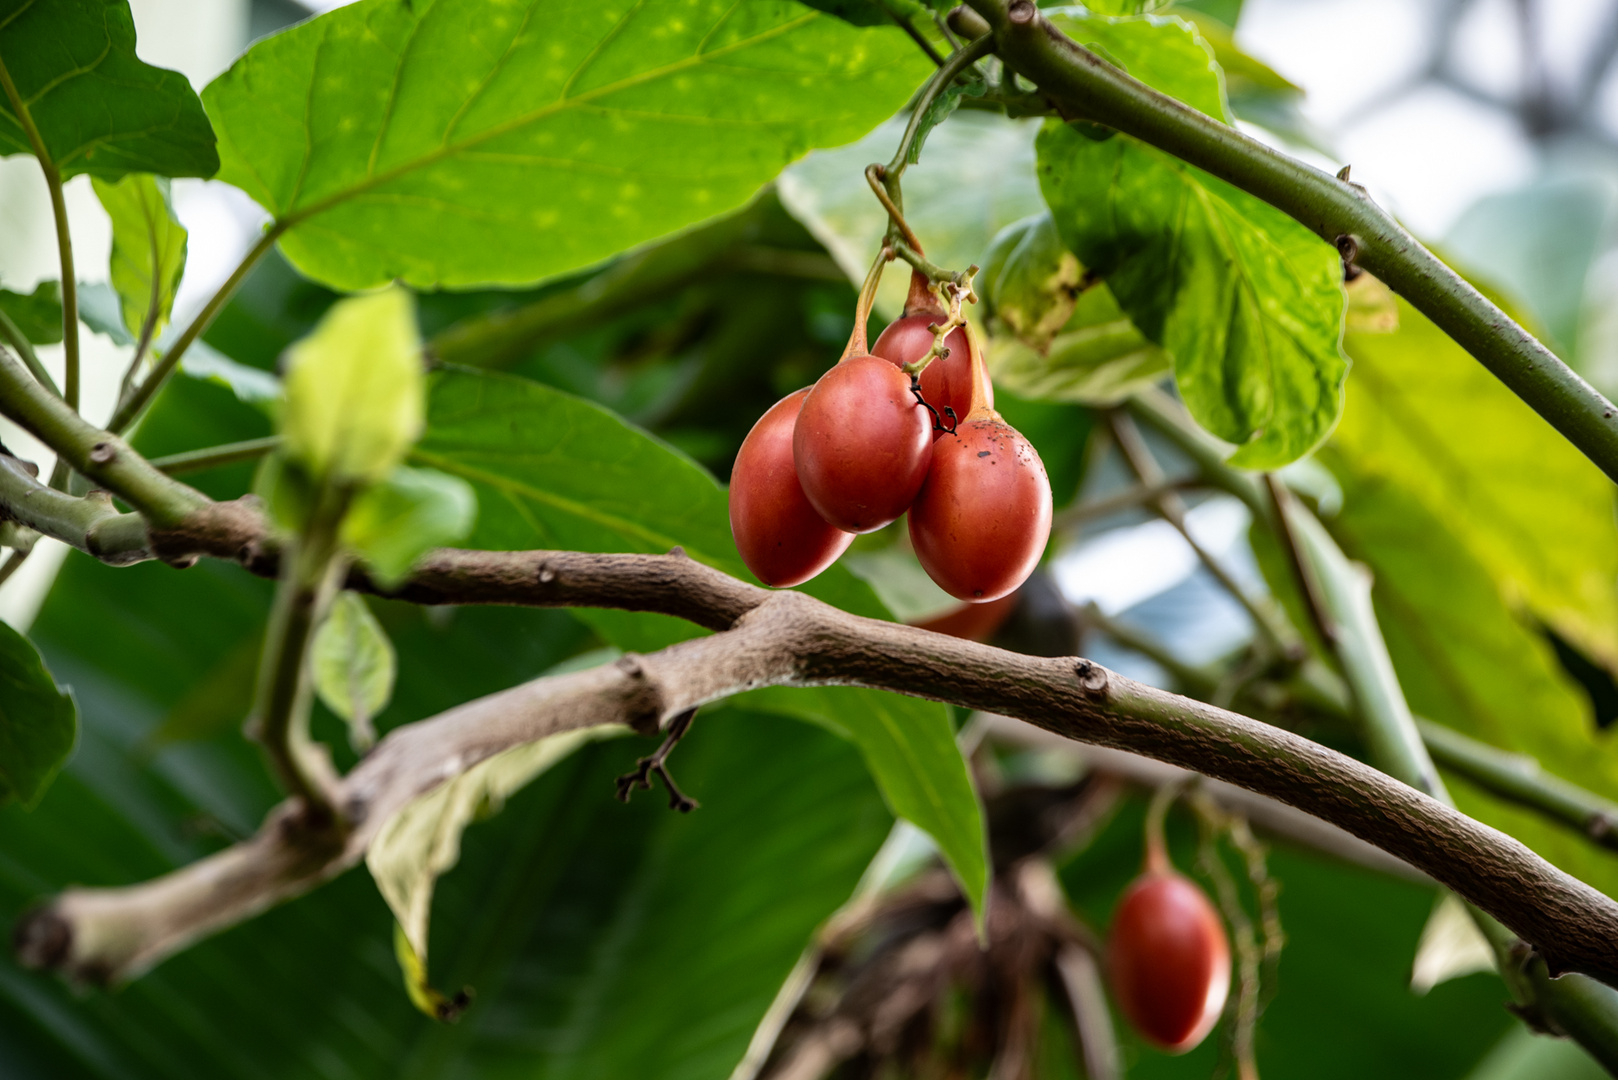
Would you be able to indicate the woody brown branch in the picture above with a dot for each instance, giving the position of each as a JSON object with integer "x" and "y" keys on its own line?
{"x": 786, "y": 638}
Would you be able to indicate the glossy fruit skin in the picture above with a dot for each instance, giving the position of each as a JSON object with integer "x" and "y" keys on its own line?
{"x": 948, "y": 379}
{"x": 981, "y": 521}
{"x": 862, "y": 444}
{"x": 1168, "y": 960}
{"x": 779, "y": 535}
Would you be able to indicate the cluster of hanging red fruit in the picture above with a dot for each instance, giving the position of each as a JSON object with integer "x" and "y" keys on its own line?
{"x": 858, "y": 449}
{"x": 1167, "y": 956}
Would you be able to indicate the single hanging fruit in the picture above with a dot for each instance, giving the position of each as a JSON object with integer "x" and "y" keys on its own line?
{"x": 980, "y": 522}
{"x": 1168, "y": 959}
{"x": 947, "y": 381}
{"x": 862, "y": 444}
{"x": 779, "y": 535}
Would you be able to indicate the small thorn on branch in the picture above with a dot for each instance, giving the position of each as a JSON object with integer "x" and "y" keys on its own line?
{"x": 657, "y": 763}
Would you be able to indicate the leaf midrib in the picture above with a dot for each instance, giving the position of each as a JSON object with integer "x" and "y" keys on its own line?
{"x": 296, "y": 216}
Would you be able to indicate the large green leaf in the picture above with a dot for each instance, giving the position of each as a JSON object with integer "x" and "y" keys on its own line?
{"x": 1527, "y": 505}
{"x": 98, "y": 108}
{"x": 1464, "y": 660}
{"x": 553, "y": 471}
{"x": 1247, "y": 301}
{"x": 38, "y": 721}
{"x": 148, "y": 250}
{"x": 570, "y": 914}
{"x": 443, "y": 142}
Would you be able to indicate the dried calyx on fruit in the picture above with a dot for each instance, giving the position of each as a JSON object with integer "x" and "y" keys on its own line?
{"x": 1167, "y": 954}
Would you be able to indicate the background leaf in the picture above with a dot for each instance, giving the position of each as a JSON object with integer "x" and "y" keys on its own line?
{"x": 406, "y": 514}
{"x": 1540, "y": 518}
{"x": 38, "y": 721}
{"x": 552, "y": 471}
{"x": 976, "y": 178}
{"x": 1248, "y": 302}
{"x": 148, "y": 250}
{"x": 431, "y": 143}
{"x": 353, "y": 666}
{"x": 38, "y": 315}
{"x": 99, "y": 109}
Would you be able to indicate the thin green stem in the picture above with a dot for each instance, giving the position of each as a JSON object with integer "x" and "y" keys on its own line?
{"x": 1522, "y": 780}
{"x": 13, "y": 336}
{"x": 1083, "y": 86}
{"x": 312, "y": 567}
{"x": 99, "y": 455}
{"x": 64, "y": 237}
{"x": 957, "y": 63}
{"x": 213, "y": 457}
{"x": 915, "y": 35}
{"x": 1271, "y": 630}
{"x": 91, "y": 524}
{"x": 131, "y": 407}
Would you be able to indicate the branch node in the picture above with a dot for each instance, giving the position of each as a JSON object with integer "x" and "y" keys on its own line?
{"x": 678, "y": 552}
{"x": 1348, "y": 247}
{"x": 1092, "y": 678}
{"x": 42, "y": 939}
{"x": 642, "y": 710}
{"x": 1022, "y": 12}
{"x": 103, "y": 453}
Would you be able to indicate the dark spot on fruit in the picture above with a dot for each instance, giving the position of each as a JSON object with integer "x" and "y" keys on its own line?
{"x": 983, "y": 453}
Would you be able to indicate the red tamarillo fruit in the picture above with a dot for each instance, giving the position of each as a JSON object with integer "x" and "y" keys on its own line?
{"x": 779, "y": 535}
{"x": 980, "y": 522}
{"x": 947, "y": 381}
{"x": 862, "y": 444}
{"x": 1168, "y": 959}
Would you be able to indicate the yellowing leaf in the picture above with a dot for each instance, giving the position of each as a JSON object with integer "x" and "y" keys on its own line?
{"x": 1523, "y": 501}
{"x": 354, "y": 389}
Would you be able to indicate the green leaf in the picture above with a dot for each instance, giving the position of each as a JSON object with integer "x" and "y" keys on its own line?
{"x": 422, "y": 841}
{"x": 1247, "y": 301}
{"x": 99, "y": 109}
{"x": 38, "y": 315}
{"x": 1030, "y": 281}
{"x": 915, "y": 766}
{"x": 1164, "y": 52}
{"x": 976, "y": 178}
{"x": 102, "y": 311}
{"x": 440, "y": 144}
{"x": 868, "y": 12}
{"x": 1538, "y": 516}
{"x": 1463, "y": 660}
{"x": 552, "y": 471}
{"x": 148, "y": 250}
{"x": 354, "y": 389}
{"x": 941, "y": 108}
{"x": 38, "y": 722}
{"x": 353, "y": 666}
{"x": 1053, "y": 334}
{"x": 410, "y": 512}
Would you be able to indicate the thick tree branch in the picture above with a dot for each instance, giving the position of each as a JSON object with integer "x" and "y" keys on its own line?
{"x": 789, "y": 639}
{"x": 1083, "y": 86}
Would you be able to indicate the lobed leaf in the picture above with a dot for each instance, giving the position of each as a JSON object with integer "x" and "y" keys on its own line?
{"x": 39, "y": 722}
{"x": 1247, "y": 301}
{"x": 98, "y": 108}
{"x": 148, "y": 250}
{"x": 451, "y": 142}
